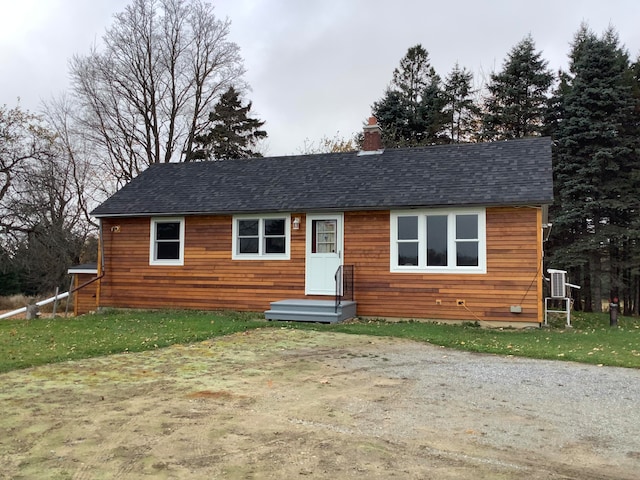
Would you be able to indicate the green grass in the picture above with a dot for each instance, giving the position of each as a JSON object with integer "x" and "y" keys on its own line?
{"x": 36, "y": 342}
{"x": 591, "y": 340}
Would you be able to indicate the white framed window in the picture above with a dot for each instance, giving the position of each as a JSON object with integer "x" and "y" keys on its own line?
{"x": 261, "y": 237}
{"x": 439, "y": 241}
{"x": 167, "y": 241}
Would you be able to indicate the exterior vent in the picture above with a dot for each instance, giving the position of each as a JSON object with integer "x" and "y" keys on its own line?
{"x": 558, "y": 283}
{"x": 559, "y": 293}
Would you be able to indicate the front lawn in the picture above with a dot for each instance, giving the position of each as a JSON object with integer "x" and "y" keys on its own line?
{"x": 36, "y": 342}
{"x": 591, "y": 340}
{"x": 29, "y": 343}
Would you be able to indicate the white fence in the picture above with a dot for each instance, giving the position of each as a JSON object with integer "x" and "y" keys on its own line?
{"x": 39, "y": 304}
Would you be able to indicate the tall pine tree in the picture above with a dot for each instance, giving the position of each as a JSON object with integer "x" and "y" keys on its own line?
{"x": 460, "y": 111}
{"x": 232, "y": 133}
{"x": 516, "y": 104}
{"x": 596, "y": 165}
{"x": 410, "y": 113}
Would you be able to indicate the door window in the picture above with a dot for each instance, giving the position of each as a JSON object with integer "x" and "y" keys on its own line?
{"x": 324, "y": 236}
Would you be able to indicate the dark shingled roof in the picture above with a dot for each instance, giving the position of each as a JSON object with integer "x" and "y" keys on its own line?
{"x": 514, "y": 172}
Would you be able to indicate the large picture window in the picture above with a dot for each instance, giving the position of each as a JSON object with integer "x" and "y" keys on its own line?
{"x": 167, "y": 241}
{"x": 261, "y": 237}
{"x": 438, "y": 241}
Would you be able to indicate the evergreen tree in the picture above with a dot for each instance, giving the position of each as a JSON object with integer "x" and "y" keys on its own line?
{"x": 9, "y": 275}
{"x": 432, "y": 116}
{"x": 410, "y": 113}
{"x": 392, "y": 114}
{"x": 516, "y": 104}
{"x": 596, "y": 166}
{"x": 413, "y": 76}
{"x": 631, "y": 276}
{"x": 232, "y": 134}
{"x": 460, "y": 109}
{"x": 555, "y": 106}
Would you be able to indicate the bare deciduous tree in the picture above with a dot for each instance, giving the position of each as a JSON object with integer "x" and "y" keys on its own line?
{"x": 77, "y": 166}
{"x": 45, "y": 208}
{"x": 145, "y": 95}
{"x": 44, "y": 221}
{"x": 335, "y": 144}
{"x": 23, "y": 141}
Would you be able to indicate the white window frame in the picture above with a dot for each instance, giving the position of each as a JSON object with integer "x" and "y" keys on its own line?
{"x": 153, "y": 260}
{"x": 451, "y": 267}
{"x": 261, "y": 255}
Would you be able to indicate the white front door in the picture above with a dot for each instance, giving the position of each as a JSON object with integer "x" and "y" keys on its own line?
{"x": 324, "y": 253}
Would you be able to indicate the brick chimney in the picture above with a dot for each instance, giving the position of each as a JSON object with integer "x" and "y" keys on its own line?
{"x": 372, "y": 137}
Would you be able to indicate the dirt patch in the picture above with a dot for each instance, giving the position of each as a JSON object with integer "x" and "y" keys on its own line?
{"x": 209, "y": 394}
{"x": 279, "y": 403}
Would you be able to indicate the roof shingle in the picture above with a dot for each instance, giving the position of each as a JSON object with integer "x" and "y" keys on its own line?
{"x": 515, "y": 172}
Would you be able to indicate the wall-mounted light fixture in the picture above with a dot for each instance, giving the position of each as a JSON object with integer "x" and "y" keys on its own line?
{"x": 296, "y": 223}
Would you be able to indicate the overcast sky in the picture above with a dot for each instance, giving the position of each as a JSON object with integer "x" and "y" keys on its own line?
{"x": 314, "y": 66}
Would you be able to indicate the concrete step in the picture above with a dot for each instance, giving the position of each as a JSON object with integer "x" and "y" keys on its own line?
{"x": 301, "y": 310}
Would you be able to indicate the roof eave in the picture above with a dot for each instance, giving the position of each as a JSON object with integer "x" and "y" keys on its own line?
{"x": 530, "y": 202}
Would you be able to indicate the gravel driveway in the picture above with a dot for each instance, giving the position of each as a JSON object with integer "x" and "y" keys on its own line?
{"x": 279, "y": 403}
{"x": 581, "y": 415}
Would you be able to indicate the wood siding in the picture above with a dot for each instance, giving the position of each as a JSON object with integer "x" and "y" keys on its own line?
{"x": 84, "y": 300}
{"x": 512, "y": 278}
{"x": 210, "y": 279}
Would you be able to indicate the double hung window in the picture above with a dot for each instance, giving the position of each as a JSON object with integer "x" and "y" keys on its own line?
{"x": 167, "y": 241}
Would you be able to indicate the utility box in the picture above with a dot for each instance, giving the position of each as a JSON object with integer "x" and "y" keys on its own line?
{"x": 559, "y": 292}
{"x": 558, "y": 283}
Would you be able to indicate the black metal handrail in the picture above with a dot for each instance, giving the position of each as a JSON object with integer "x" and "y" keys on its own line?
{"x": 344, "y": 284}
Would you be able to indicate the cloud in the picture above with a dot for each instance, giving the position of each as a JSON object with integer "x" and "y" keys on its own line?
{"x": 315, "y": 66}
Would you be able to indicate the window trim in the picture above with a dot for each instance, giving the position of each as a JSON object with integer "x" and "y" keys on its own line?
{"x": 152, "y": 242}
{"x": 451, "y": 268}
{"x": 261, "y": 255}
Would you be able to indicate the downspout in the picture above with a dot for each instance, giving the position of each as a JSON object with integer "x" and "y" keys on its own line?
{"x": 99, "y": 273}
{"x": 541, "y": 219}
{"x": 100, "y": 262}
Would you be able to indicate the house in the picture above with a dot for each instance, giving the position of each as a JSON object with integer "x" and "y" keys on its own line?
{"x": 449, "y": 232}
